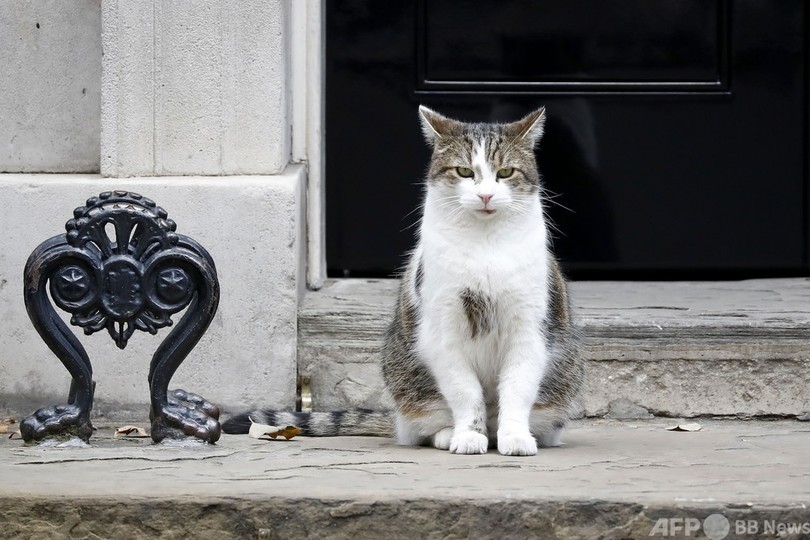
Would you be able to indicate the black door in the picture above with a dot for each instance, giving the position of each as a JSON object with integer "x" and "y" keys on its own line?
{"x": 676, "y": 139}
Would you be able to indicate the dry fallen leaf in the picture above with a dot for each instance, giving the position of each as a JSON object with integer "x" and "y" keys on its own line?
{"x": 131, "y": 431}
{"x": 288, "y": 432}
{"x": 259, "y": 431}
{"x": 686, "y": 427}
{"x": 15, "y": 435}
{"x": 6, "y": 425}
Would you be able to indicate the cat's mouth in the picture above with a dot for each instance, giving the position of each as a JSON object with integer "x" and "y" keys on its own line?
{"x": 485, "y": 212}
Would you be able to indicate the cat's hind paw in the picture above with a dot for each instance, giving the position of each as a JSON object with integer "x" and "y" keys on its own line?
{"x": 441, "y": 440}
{"x": 469, "y": 442}
{"x": 517, "y": 444}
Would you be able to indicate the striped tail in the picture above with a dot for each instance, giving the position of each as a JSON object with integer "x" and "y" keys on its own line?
{"x": 356, "y": 422}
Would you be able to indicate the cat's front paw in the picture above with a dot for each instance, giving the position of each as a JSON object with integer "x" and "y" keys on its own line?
{"x": 441, "y": 440}
{"x": 469, "y": 442}
{"x": 516, "y": 444}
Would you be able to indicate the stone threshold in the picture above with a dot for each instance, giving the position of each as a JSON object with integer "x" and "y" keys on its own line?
{"x": 677, "y": 349}
{"x": 610, "y": 480}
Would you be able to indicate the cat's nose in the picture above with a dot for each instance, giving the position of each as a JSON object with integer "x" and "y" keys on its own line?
{"x": 485, "y": 198}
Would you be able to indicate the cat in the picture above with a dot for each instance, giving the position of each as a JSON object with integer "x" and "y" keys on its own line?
{"x": 482, "y": 350}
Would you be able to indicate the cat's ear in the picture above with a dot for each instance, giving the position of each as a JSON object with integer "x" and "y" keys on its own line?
{"x": 530, "y": 127}
{"x": 435, "y": 126}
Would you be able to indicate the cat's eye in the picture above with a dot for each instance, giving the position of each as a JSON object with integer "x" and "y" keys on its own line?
{"x": 464, "y": 172}
{"x": 506, "y": 172}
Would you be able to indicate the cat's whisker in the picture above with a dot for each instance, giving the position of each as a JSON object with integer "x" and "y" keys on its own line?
{"x": 456, "y": 212}
{"x": 553, "y": 226}
{"x": 522, "y": 204}
{"x": 450, "y": 203}
{"x": 519, "y": 210}
{"x": 415, "y": 223}
{"x": 449, "y": 198}
{"x": 551, "y": 197}
{"x": 419, "y": 209}
{"x": 519, "y": 207}
{"x": 449, "y": 208}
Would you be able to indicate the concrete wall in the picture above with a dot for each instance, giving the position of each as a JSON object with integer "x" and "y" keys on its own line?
{"x": 50, "y": 81}
{"x": 195, "y": 87}
{"x": 198, "y": 88}
{"x": 252, "y": 226}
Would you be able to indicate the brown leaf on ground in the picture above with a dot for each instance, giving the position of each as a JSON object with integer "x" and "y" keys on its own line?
{"x": 261, "y": 431}
{"x": 288, "y": 432}
{"x": 131, "y": 431}
{"x": 15, "y": 435}
{"x": 7, "y": 425}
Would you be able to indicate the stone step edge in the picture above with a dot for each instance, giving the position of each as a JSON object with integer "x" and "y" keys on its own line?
{"x": 726, "y": 349}
{"x": 276, "y": 516}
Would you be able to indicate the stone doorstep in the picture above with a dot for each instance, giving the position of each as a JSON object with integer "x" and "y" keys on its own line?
{"x": 688, "y": 349}
{"x": 610, "y": 480}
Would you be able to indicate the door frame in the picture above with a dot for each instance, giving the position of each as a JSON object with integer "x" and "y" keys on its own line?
{"x": 307, "y": 98}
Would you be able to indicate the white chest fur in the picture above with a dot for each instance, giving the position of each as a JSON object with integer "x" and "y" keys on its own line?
{"x": 502, "y": 261}
{"x": 504, "y": 258}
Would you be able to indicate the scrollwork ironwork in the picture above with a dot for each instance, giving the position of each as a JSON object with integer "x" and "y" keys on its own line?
{"x": 121, "y": 266}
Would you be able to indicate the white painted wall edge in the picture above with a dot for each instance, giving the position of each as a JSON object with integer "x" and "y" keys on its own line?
{"x": 316, "y": 105}
{"x": 308, "y": 109}
{"x": 298, "y": 79}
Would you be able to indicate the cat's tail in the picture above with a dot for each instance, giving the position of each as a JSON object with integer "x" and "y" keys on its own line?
{"x": 318, "y": 424}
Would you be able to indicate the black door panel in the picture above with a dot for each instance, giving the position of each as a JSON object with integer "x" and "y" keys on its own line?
{"x": 676, "y": 132}
{"x": 568, "y": 43}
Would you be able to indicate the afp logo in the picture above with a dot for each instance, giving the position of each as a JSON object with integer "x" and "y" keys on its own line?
{"x": 715, "y": 527}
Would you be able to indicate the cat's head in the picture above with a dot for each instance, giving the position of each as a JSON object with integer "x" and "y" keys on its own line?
{"x": 483, "y": 170}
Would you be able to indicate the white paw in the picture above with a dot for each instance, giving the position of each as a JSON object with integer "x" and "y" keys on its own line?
{"x": 516, "y": 444}
{"x": 469, "y": 442}
{"x": 441, "y": 440}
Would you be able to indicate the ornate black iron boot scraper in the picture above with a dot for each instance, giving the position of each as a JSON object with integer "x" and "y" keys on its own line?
{"x": 122, "y": 267}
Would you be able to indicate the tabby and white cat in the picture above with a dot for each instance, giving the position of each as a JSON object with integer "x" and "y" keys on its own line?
{"x": 482, "y": 350}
